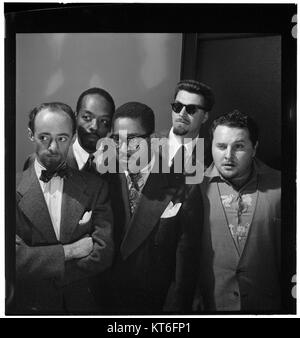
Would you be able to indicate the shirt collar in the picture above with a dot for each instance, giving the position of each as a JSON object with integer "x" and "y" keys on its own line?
{"x": 147, "y": 169}
{"x": 176, "y": 142}
{"x": 80, "y": 154}
{"x": 38, "y": 168}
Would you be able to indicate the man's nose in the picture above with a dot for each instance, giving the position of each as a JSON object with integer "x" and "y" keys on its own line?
{"x": 228, "y": 153}
{"x": 53, "y": 145}
{"x": 182, "y": 111}
{"x": 94, "y": 125}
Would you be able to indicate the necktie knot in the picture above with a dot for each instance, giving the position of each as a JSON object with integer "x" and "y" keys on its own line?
{"x": 62, "y": 171}
{"x": 135, "y": 179}
{"x": 90, "y": 164}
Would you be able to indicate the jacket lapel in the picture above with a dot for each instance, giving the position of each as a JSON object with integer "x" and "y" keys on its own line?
{"x": 155, "y": 197}
{"x": 33, "y": 204}
{"x": 74, "y": 200}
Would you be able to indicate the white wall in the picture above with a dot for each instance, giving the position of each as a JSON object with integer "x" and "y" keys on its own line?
{"x": 58, "y": 67}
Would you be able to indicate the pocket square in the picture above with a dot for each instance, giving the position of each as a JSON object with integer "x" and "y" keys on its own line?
{"x": 171, "y": 210}
{"x": 86, "y": 217}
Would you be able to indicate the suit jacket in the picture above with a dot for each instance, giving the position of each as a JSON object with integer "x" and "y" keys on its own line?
{"x": 250, "y": 282}
{"x": 152, "y": 252}
{"x": 45, "y": 283}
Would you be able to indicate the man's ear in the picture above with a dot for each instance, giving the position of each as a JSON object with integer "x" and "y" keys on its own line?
{"x": 30, "y": 135}
{"x": 254, "y": 149}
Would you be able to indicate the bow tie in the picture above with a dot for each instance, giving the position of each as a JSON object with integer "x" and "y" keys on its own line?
{"x": 62, "y": 171}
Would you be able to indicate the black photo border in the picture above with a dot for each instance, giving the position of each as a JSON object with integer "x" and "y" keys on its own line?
{"x": 178, "y": 18}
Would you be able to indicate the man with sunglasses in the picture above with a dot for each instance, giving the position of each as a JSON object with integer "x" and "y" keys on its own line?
{"x": 156, "y": 229}
{"x": 192, "y": 102}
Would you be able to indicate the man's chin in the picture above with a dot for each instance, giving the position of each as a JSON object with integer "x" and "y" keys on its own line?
{"x": 228, "y": 174}
{"x": 90, "y": 144}
{"x": 179, "y": 130}
{"x": 50, "y": 160}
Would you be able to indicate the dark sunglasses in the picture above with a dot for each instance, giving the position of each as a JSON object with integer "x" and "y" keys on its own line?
{"x": 191, "y": 109}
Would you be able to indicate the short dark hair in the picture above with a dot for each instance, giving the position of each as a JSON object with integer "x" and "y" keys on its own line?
{"x": 99, "y": 91}
{"x": 137, "y": 110}
{"x": 236, "y": 119}
{"x": 52, "y": 106}
{"x": 196, "y": 87}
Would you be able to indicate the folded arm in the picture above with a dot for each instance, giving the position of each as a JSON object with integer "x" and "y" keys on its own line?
{"x": 101, "y": 255}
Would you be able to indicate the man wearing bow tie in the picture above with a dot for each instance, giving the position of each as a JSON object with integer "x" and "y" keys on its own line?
{"x": 156, "y": 226}
{"x": 63, "y": 222}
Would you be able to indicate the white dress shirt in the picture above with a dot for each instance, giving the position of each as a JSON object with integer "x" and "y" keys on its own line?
{"x": 175, "y": 142}
{"x": 52, "y": 191}
{"x": 80, "y": 154}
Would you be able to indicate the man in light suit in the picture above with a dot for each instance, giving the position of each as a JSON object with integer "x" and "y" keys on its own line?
{"x": 94, "y": 111}
{"x": 241, "y": 256}
{"x": 63, "y": 222}
{"x": 157, "y": 224}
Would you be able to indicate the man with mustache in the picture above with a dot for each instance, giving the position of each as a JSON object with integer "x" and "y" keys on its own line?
{"x": 95, "y": 108}
{"x": 192, "y": 102}
{"x": 240, "y": 268}
{"x": 63, "y": 222}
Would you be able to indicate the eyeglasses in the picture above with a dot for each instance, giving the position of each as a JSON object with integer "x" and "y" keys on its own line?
{"x": 133, "y": 142}
{"x": 191, "y": 109}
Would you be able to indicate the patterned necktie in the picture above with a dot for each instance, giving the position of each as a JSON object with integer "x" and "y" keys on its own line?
{"x": 90, "y": 165}
{"x": 62, "y": 171}
{"x": 134, "y": 191}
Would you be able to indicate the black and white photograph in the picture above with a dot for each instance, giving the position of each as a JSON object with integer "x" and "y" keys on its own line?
{"x": 150, "y": 161}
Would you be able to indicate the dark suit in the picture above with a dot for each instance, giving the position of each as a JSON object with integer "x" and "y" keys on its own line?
{"x": 249, "y": 282}
{"x": 151, "y": 251}
{"x": 45, "y": 283}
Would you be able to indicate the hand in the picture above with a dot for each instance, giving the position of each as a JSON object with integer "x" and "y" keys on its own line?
{"x": 78, "y": 249}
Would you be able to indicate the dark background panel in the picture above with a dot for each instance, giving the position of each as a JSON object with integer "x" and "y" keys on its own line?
{"x": 245, "y": 74}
